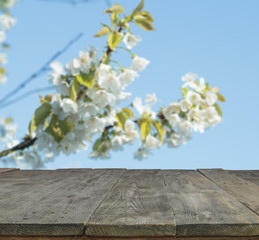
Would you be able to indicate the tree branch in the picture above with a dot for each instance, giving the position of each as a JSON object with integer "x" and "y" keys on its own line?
{"x": 21, "y": 146}
{"x": 41, "y": 70}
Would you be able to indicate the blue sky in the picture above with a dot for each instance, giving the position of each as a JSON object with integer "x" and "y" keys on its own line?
{"x": 217, "y": 39}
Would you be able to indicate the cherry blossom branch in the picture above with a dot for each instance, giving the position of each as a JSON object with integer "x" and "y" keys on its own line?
{"x": 21, "y": 146}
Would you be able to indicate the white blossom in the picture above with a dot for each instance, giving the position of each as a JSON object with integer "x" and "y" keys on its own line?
{"x": 103, "y": 70}
{"x": 151, "y": 98}
{"x": 143, "y": 109}
{"x": 110, "y": 82}
{"x": 185, "y": 105}
{"x": 130, "y": 40}
{"x": 3, "y": 58}
{"x": 211, "y": 98}
{"x": 6, "y": 22}
{"x": 63, "y": 88}
{"x": 88, "y": 109}
{"x": 211, "y": 115}
{"x": 151, "y": 142}
{"x": 175, "y": 140}
{"x": 102, "y": 98}
{"x": 73, "y": 67}
{"x": 193, "y": 97}
{"x": 174, "y": 120}
{"x": 189, "y": 77}
{"x": 141, "y": 154}
{"x": 2, "y": 36}
{"x": 131, "y": 132}
{"x": 173, "y": 108}
{"x": 127, "y": 77}
{"x": 3, "y": 78}
{"x": 55, "y": 76}
{"x": 139, "y": 64}
{"x": 69, "y": 106}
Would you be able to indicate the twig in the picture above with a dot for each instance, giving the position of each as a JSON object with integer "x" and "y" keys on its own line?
{"x": 40, "y": 71}
{"x": 26, "y": 95}
{"x": 21, "y": 146}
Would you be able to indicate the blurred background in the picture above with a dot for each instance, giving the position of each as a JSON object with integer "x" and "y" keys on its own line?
{"x": 217, "y": 39}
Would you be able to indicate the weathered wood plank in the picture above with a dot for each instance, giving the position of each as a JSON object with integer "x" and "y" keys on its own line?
{"x": 57, "y": 205}
{"x": 249, "y": 175}
{"x": 15, "y": 181}
{"x": 2, "y": 170}
{"x": 203, "y": 209}
{"x": 126, "y": 238}
{"x": 245, "y": 191}
{"x": 136, "y": 206}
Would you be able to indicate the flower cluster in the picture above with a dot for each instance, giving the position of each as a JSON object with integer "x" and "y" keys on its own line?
{"x": 6, "y": 22}
{"x": 90, "y": 89}
{"x": 89, "y": 93}
{"x": 197, "y": 111}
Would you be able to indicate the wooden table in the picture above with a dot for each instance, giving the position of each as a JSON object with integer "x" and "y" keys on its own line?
{"x": 129, "y": 204}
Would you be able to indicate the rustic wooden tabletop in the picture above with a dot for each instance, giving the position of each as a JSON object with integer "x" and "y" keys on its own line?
{"x": 129, "y": 204}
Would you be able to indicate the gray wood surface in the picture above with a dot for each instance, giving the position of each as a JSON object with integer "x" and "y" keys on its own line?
{"x": 245, "y": 191}
{"x": 2, "y": 170}
{"x": 55, "y": 202}
{"x": 14, "y": 182}
{"x": 107, "y": 204}
{"x": 137, "y": 205}
{"x": 249, "y": 175}
{"x": 124, "y": 238}
{"x": 203, "y": 209}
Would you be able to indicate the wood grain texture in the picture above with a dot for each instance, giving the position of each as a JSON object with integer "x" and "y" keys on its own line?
{"x": 245, "y": 191}
{"x": 125, "y": 238}
{"x": 248, "y": 175}
{"x": 137, "y": 205}
{"x": 17, "y": 181}
{"x": 3, "y": 170}
{"x": 55, "y": 203}
{"x": 203, "y": 209}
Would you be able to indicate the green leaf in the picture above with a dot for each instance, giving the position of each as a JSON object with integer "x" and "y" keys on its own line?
{"x": 86, "y": 79}
{"x": 160, "y": 130}
{"x": 39, "y": 116}
{"x": 113, "y": 40}
{"x": 53, "y": 130}
{"x": 184, "y": 91}
{"x": 104, "y": 31}
{"x": 146, "y": 15}
{"x": 218, "y": 109}
{"x": 117, "y": 8}
{"x": 121, "y": 118}
{"x": 137, "y": 9}
{"x": 73, "y": 90}
{"x": 145, "y": 128}
{"x": 5, "y": 46}
{"x": 98, "y": 145}
{"x": 59, "y": 129}
{"x": 128, "y": 111}
{"x": 65, "y": 126}
{"x": 2, "y": 71}
{"x": 8, "y": 120}
{"x": 221, "y": 98}
{"x": 143, "y": 23}
{"x": 101, "y": 145}
{"x": 46, "y": 99}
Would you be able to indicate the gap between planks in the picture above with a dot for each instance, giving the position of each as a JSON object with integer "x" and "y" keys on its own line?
{"x": 126, "y": 238}
{"x": 246, "y": 192}
{"x": 3, "y": 170}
